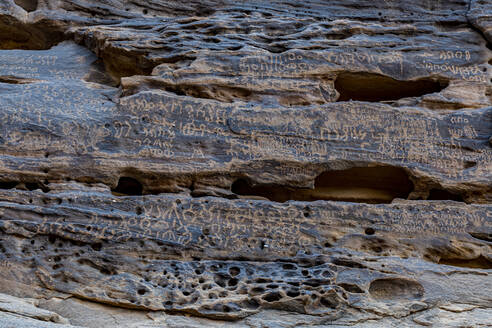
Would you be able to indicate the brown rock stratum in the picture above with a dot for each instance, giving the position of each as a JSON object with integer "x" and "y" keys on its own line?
{"x": 245, "y": 164}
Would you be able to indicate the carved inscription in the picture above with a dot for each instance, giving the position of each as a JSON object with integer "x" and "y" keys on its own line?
{"x": 206, "y": 223}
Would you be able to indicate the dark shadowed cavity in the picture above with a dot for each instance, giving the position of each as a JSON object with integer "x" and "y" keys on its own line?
{"x": 128, "y": 187}
{"x": 375, "y": 87}
{"x": 379, "y": 184}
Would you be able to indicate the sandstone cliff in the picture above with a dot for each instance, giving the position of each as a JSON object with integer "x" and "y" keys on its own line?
{"x": 245, "y": 163}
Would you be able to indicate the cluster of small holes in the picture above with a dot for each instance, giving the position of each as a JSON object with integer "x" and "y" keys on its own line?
{"x": 210, "y": 285}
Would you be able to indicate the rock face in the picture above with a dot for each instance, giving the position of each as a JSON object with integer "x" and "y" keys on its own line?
{"x": 245, "y": 163}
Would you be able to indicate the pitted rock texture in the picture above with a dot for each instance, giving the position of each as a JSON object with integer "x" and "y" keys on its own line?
{"x": 245, "y": 164}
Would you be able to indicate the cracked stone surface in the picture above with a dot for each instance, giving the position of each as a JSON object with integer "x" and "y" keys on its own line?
{"x": 245, "y": 163}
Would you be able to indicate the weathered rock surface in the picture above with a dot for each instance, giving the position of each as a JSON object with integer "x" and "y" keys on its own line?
{"x": 245, "y": 164}
{"x": 16, "y": 312}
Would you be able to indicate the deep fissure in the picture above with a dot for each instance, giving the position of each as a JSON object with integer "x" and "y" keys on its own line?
{"x": 439, "y": 194}
{"x": 363, "y": 86}
{"x": 374, "y": 185}
{"x": 30, "y": 185}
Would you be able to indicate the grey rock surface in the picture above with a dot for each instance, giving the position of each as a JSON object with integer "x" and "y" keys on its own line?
{"x": 245, "y": 163}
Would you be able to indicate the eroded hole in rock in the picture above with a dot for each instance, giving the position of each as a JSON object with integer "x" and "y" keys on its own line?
{"x": 329, "y": 302}
{"x": 374, "y": 185}
{"x": 289, "y": 266}
{"x": 478, "y": 263}
{"x": 347, "y": 263}
{"x": 234, "y": 271}
{"x": 315, "y": 282}
{"x": 35, "y": 186}
{"x": 24, "y": 186}
{"x": 28, "y": 5}
{"x": 371, "y": 87}
{"x": 222, "y": 93}
{"x": 272, "y": 297}
{"x": 379, "y": 184}
{"x": 396, "y": 289}
{"x": 8, "y": 184}
{"x": 96, "y": 246}
{"x": 293, "y": 293}
{"x": 251, "y": 304}
{"x": 128, "y": 187}
{"x": 438, "y": 194}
